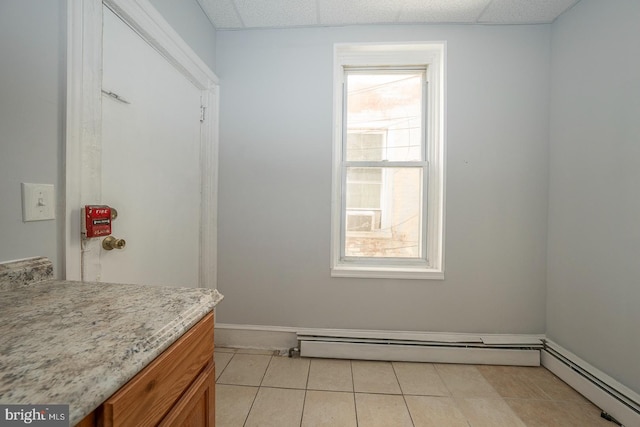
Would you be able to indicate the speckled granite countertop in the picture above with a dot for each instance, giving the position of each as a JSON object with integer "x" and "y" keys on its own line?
{"x": 77, "y": 343}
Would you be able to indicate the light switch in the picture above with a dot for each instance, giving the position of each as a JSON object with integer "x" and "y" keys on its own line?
{"x": 38, "y": 202}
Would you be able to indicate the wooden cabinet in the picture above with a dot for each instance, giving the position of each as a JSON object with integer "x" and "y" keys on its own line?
{"x": 196, "y": 407}
{"x": 176, "y": 389}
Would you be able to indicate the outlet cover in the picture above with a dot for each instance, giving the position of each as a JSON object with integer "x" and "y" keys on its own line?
{"x": 38, "y": 202}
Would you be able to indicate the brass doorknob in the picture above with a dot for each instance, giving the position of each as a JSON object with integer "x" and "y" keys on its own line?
{"x": 111, "y": 242}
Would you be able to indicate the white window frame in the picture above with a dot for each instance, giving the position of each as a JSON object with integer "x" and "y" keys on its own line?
{"x": 432, "y": 56}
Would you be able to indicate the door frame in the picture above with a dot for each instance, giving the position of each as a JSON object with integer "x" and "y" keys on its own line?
{"x": 83, "y": 163}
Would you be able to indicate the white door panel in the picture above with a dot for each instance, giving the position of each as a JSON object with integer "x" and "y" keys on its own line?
{"x": 151, "y": 170}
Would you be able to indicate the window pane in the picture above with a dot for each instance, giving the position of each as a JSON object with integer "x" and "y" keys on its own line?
{"x": 384, "y": 116}
{"x": 363, "y": 196}
{"x": 365, "y": 146}
{"x": 383, "y": 212}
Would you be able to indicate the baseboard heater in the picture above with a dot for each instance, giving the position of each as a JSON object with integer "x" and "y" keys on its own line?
{"x": 520, "y": 350}
{"x": 607, "y": 393}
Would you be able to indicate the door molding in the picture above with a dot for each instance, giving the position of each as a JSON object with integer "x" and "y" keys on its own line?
{"x": 84, "y": 126}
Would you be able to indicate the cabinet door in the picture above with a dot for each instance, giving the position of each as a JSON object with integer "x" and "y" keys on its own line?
{"x": 196, "y": 408}
{"x": 155, "y": 390}
{"x": 88, "y": 421}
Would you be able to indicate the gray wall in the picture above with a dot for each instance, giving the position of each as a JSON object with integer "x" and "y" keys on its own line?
{"x": 32, "y": 110}
{"x": 32, "y": 81}
{"x": 275, "y": 184}
{"x": 594, "y": 204}
{"x": 191, "y": 22}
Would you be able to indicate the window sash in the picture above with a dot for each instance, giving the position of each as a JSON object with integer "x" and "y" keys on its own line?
{"x": 385, "y": 70}
{"x": 422, "y": 259}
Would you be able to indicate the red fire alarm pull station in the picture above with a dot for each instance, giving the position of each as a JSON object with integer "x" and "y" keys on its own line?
{"x": 97, "y": 221}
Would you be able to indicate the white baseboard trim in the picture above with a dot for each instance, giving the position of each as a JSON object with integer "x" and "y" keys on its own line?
{"x": 255, "y": 336}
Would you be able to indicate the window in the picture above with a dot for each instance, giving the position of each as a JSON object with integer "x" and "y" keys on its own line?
{"x": 388, "y": 181}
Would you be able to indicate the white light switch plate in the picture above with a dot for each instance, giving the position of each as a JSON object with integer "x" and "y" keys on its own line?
{"x": 38, "y": 202}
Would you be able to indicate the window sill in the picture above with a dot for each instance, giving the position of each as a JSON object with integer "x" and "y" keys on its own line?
{"x": 371, "y": 272}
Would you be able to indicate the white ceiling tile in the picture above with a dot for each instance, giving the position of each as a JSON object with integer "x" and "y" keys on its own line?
{"x": 277, "y": 13}
{"x": 222, "y": 13}
{"x": 442, "y": 10}
{"x": 230, "y": 14}
{"x": 344, "y": 12}
{"x": 524, "y": 11}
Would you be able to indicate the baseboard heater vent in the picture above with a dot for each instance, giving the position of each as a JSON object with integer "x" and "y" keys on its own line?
{"x": 607, "y": 393}
{"x": 520, "y": 350}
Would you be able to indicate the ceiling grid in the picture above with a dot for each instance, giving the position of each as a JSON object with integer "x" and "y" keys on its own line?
{"x": 245, "y": 14}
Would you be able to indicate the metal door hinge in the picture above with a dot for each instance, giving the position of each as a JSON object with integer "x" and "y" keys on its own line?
{"x": 202, "y": 113}
{"x": 115, "y": 96}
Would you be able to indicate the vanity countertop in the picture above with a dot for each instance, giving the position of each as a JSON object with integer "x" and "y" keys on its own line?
{"x": 76, "y": 343}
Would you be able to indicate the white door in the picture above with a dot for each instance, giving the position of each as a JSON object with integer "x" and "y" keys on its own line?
{"x": 151, "y": 168}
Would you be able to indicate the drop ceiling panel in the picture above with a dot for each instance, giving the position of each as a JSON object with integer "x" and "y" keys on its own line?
{"x": 433, "y": 11}
{"x": 277, "y": 13}
{"x": 524, "y": 11}
{"x": 232, "y": 14}
{"x": 341, "y": 12}
{"x": 222, "y": 13}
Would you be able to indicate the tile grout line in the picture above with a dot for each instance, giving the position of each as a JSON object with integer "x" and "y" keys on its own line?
{"x": 451, "y": 396}
{"x": 353, "y": 387}
{"x": 225, "y": 366}
{"x": 306, "y": 387}
{"x": 257, "y": 391}
{"x": 246, "y": 418}
{"x": 264, "y": 374}
{"x": 404, "y": 399}
{"x": 504, "y": 399}
{"x": 443, "y": 381}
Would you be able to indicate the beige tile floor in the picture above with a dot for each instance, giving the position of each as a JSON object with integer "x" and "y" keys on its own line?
{"x": 258, "y": 388}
